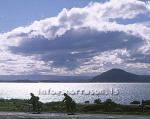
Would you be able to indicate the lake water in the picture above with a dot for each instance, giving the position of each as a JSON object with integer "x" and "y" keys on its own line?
{"x": 119, "y": 92}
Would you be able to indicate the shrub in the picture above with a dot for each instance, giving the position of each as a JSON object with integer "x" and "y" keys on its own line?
{"x": 87, "y": 102}
{"x": 146, "y": 102}
{"x": 108, "y": 101}
{"x": 97, "y": 101}
{"x": 135, "y": 102}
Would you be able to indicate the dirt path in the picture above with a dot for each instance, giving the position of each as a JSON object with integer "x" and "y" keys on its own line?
{"x": 21, "y": 115}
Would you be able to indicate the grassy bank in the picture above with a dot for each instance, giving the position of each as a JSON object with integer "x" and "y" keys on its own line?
{"x": 101, "y": 107}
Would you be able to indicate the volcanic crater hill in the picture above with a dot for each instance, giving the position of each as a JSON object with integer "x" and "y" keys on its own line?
{"x": 119, "y": 75}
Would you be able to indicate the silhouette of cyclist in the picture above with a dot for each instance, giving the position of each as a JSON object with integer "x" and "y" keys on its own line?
{"x": 69, "y": 103}
{"x": 36, "y": 104}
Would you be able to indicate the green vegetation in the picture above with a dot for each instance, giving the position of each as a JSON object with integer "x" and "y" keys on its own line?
{"x": 107, "y": 106}
{"x": 135, "y": 102}
{"x": 97, "y": 101}
{"x": 14, "y": 105}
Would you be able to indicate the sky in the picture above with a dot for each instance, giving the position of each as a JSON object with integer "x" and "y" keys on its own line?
{"x": 16, "y": 13}
{"x": 74, "y": 37}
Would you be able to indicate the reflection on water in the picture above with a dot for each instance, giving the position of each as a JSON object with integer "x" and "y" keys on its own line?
{"x": 81, "y": 92}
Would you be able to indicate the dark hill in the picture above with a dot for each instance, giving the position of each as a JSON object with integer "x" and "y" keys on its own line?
{"x": 119, "y": 75}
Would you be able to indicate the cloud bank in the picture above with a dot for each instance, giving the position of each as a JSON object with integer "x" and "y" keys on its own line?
{"x": 81, "y": 41}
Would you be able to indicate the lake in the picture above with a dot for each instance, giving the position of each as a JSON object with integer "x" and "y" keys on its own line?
{"x": 119, "y": 92}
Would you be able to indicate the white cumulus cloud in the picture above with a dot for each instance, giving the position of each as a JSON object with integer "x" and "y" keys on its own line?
{"x": 79, "y": 41}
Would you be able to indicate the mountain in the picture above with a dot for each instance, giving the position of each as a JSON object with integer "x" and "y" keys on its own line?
{"x": 113, "y": 75}
{"x": 119, "y": 75}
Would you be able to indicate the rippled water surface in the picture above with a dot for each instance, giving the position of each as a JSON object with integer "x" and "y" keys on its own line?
{"x": 81, "y": 92}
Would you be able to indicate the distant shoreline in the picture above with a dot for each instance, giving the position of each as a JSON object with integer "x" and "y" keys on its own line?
{"x": 110, "y": 76}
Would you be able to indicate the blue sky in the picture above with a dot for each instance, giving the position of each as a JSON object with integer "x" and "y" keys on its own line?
{"x": 15, "y": 13}
{"x": 74, "y": 37}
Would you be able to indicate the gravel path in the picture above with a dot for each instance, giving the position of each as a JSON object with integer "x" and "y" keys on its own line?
{"x": 19, "y": 115}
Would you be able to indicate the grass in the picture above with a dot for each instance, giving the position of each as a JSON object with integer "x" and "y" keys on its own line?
{"x": 17, "y": 105}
